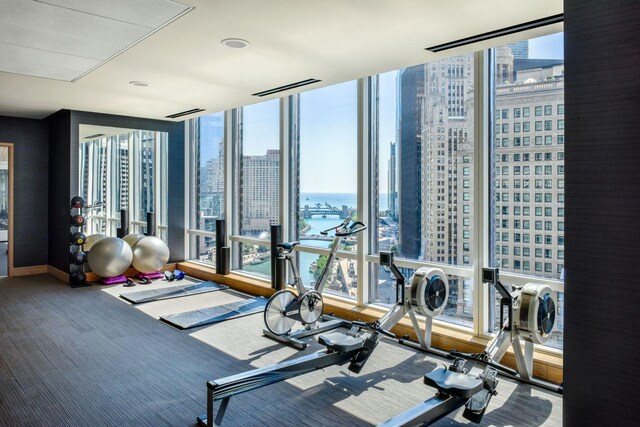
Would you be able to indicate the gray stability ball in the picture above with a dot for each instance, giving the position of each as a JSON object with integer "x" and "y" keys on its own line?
{"x": 92, "y": 239}
{"x": 110, "y": 257}
{"x": 150, "y": 254}
{"x": 133, "y": 238}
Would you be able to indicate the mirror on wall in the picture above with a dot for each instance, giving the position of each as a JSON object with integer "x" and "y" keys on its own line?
{"x": 123, "y": 169}
{"x": 4, "y": 211}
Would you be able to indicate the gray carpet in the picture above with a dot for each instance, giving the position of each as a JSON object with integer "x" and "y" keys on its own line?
{"x": 79, "y": 357}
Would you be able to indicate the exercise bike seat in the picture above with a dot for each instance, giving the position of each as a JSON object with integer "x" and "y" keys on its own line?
{"x": 288, "y": 246}
{"x": 453, "y": 383}
{"x": 341, "y": 342}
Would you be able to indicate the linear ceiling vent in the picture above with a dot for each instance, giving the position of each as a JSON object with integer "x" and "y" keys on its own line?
{"x": 184, "y": 113}
{"x": 97, "y": 135}
{"x": 286, "y": 87}
{"x": 498, "y": 33}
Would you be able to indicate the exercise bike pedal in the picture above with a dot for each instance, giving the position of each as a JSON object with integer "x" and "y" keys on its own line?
{"x": 476, "y": 406}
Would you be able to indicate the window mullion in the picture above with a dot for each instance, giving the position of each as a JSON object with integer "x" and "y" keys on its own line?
{"x": 363, "y": 108}
{"x": 230, "y": 135}
{"x": 285, "y": 169}
{"x": 482, "y": 119}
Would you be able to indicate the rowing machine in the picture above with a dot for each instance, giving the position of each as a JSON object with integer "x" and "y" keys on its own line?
{"x": 527, "y": 315}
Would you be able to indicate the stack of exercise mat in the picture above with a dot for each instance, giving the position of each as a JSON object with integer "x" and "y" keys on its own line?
{"x": 201, "y": 316}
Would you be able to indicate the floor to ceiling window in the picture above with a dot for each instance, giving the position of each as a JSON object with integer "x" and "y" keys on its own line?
{"x": 258, "y": 206}
{"x": 207, "y": 176}
{"x": 327, "y": 175}
{"x": 528, "y": 164}
{"x": 431, "y": 189}
{"x": 424, "y": 175}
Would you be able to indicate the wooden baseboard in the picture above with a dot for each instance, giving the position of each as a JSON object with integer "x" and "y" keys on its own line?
{"x": 29, "y": 271}
{"x": 58, "y": 274}
{"x": 545, "y": 366}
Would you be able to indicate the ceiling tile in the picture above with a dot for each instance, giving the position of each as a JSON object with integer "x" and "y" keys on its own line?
{"x": 148, "y": 13}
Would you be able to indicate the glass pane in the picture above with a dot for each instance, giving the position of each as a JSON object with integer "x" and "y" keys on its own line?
{"x": 209, "y": 185}
{"x": 459, "y": 309}
{"x": 260, "y": 171}
{"x": 342, "y": 280}
{"x": 327, "y": 141}
{"x": 205, "y": 249}
{"x": 144, "y": 146}
{"x": 256, "y": 259}
{"x": 528, "y": 210}
{"x": 424, "y": 181}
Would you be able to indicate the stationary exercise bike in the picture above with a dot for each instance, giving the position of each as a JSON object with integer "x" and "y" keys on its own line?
{"x": 285, "y": 307}
{"x": 527, "y": 315}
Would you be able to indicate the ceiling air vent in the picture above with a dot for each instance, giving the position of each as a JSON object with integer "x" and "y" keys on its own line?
{"x": 286, "y": 87}
{"x": 498, "y": 33}
{"x": 184, "y": 113}
{"x": 97, "y": 135}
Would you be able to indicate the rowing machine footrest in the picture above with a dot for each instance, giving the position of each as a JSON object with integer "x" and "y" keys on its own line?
{"x": 452, "y": 383}
{"x": 341, "y": 342}
{"x": 363, "y": 355}
{"x": 476, "y": 406}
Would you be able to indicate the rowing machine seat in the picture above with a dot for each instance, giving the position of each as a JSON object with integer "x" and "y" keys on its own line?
{"x": 453, "y": 383}
{"x": 341, "y": 342}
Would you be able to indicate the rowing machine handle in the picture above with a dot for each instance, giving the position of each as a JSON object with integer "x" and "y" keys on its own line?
{"x": 344, "y": 223}
{"x": 374, "y": 327}
{"x": 354, "y": 228}
{"x": 475, "y": 358}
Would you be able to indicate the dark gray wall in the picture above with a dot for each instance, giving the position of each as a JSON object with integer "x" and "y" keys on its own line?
{"x": 602, "y": 287}
{"x": 59, "y": 198}
{"x": 30, "y": 139}
{"x": 66, "y": 177}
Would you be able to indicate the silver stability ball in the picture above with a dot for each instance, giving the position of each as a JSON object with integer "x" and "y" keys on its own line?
{"x": 110, "y": 257}
{"x": 133, "y": 238}
{"x": 92, "y": 239}
{"x": 150, "y": 254}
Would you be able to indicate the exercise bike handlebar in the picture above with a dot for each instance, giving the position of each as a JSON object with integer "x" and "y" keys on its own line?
{"x": 354, "y": 228}
{"x": 344, "y": 223}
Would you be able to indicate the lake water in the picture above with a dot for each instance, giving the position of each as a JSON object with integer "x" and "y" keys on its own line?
{"x": 317, "y": 224}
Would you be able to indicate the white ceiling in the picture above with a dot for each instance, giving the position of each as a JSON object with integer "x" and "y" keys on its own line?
{"x": 64, "y": 39}
{"x": 291, "y": 40}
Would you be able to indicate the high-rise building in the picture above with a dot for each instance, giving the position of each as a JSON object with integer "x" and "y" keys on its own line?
{"x": 520, "y": 49}
{"x": 392, "y": 193}
{"x": 260, "y": 191}
{"x": 529, "y": 172}
{"x": 410, "y": 106}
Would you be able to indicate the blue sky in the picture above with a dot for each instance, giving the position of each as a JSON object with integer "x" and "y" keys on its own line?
{"x": 328, "y": 133}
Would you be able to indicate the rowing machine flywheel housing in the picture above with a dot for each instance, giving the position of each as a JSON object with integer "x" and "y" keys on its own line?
{"x": 429, "y": 291}
{"x": 535, "y": 316}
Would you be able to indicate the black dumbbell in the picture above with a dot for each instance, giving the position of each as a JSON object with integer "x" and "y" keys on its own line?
{"x": 77, "y": 202}
{"x": 77, "y": 278}
{"x": 78, "y": 258}
{"x": 78, "y": 238}
{"x": 77, "y": 221}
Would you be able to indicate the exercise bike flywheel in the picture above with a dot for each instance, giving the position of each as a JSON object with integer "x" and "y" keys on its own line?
{"x": 275, "y": 318}
{"x": 311, "y": 306}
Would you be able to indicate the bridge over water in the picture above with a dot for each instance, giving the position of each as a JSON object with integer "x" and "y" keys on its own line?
{"x": 311, "y": 211}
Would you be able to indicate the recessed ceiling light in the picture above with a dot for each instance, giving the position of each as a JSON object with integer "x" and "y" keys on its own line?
{"x": 139, "y": 84}
{"x": 235, "y": 43}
